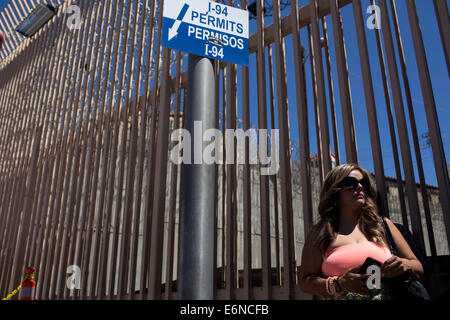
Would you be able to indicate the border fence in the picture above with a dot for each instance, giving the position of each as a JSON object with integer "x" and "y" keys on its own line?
{"x": 86, "y": 113}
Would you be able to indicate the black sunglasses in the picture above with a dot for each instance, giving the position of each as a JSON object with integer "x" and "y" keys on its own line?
{"x": 352, "y": 183}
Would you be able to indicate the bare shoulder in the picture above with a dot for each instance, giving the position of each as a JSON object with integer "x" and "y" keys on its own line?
{"x": 311, "y": 247}
{"x": 394, "y": 230}
{"x": 390, "y": 223}
{"x": 311, "y": 239}
{"x": 311, "y": 254}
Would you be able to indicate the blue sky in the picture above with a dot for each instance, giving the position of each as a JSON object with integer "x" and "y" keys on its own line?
{"x": 439, "y": 76}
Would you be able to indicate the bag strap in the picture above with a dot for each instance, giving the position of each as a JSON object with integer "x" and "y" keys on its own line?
{"x": 389, "y": 237}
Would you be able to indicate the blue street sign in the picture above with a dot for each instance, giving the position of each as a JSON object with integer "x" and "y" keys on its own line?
{"x": 207, "y": 29}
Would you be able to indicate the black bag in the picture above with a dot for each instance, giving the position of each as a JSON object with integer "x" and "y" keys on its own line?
{"x": 418, "y": 252}
{"x": 403, "y": 287}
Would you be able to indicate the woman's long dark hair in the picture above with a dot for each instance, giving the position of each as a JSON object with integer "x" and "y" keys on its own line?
{"x": 370, "y": 222}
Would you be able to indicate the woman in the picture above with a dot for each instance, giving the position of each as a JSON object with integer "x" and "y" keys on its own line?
{"x": 349, "y": 231}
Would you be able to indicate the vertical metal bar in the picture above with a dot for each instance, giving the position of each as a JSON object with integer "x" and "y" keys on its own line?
{"x": 39, "y": 88}
{"x": 73, "y": 143}
{"x": 93, "y": 116}
{"x": 16, "y": 37}
{"x": 440, "y": 162}
{"x": 130, "y": 177}
{"x": 174, "y": 185}
{"x": 14, "y": 86}
{"x": 120, "y": 114}
{"x": 20, "y": 18}
{"x": 180, "y": 199}
{"x": 302, "y": 115}
{"x": 231, "y": 214}
{"x": 344, "y": 85}
{"x": 67, "y": 158}
{"x": 14, "y": 21}
{"x": 17, "y": 11}
{"x": 34, "y": 214}
{"x": 13, "y": 197}
{"x": 5, "y": 244}
{"x": 316, "y": 109}
{"x": 274, "y": 177}
{"x": 377, "y": 154}
{"x": 13, "y": 112}
{"x": 443, "y": 19}
{"x": 84, "y": 134}
{"x": 15, "y": 40}
{"x": 7, "y": 82}
{"x": 37, "y": 252}
{"x": 109, "y": 161}
{"x": 14, "y": 277}
{"x": 19, "y": 180}
{"x": 391, "y": 127}
{"x": 33, "y": 220}
{"x": 247, "y": 204}
{"x": 90, "y": 155}
{"x": 50, "y": 144}
{"x": 7, "y": 45}
{"x": 56, "y": 145}
{"x": 231, "y": 185}
{"x": 321, "y": 98}
{"x": 224, "y": 173}
{"x": 78, "y": 140}
{"x": 144, "y": 115}
{"x": 285, "y": 161}
{"x": 141, "y": 154}
{"x": 331, "y": 93}
{"x": 10, "y": 172}
{"x": 24, "y": 227}
{"x": 103, "y": 142}
{"x": 131, "y": 167}
{"x": 160, "y": 195}
{"x": 217, "y": 181}
{"x": 263, "y": 180}
{"x": 412, "y": 119}
{"x": 401, "y": 124}
{"x": 151, "y": 165}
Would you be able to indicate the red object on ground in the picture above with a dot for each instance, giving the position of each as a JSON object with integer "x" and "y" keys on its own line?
{"x": 28, "y": 285}
{"x": 2, "y": 39}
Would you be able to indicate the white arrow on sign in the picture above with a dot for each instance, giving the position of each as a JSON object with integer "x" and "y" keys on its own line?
{"x": 173, "y": 32}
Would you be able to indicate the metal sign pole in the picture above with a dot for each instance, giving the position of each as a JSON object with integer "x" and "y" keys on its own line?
{"x": 196, "y": 263}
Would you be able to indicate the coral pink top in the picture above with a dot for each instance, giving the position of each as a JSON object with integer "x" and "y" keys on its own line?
{"x": 342, "y": 258}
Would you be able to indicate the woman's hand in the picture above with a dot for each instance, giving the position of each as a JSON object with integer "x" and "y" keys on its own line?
{"x": 394, "y": 266}
{"x": 355, "y": 282}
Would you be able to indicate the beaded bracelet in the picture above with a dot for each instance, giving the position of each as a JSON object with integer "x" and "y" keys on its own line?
{"x": 333, "y": 286}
